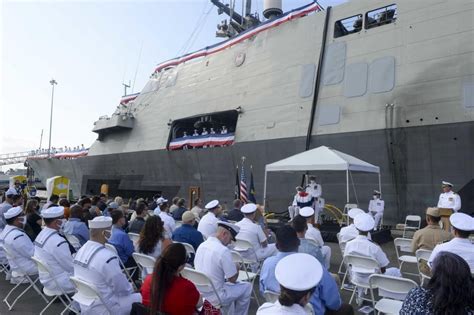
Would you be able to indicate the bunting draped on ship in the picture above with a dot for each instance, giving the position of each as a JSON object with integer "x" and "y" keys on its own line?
{"x": 201, "y": 141}
{"x": 60, "y": 155}
{"x": 128, "y": 98}
{"x": 291, "y": 15}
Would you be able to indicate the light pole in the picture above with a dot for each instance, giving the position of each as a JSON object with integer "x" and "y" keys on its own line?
{"x": 52, "y": 82}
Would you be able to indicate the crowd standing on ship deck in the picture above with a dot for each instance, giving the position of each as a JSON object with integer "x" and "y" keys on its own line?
{"x": 96, "y": 240}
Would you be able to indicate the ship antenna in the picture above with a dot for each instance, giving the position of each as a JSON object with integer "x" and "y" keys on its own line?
{"x": 125, "y": 86}
{"x": 138, "y": 64}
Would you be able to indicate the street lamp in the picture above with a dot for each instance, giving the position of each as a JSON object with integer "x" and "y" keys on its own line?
{"x": 52, "y": 82}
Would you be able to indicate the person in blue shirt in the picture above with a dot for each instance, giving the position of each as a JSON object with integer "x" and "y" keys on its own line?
{"x": 306, "y": 246}
{"x": 187, "y": 233}
{"x": 121, "y": 240}
{"x": 75, "y": 226}
{"x": 326, "y": 296}
{"x": 178, "y": 213}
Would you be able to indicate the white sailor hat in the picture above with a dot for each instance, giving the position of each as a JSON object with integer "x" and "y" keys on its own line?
{"x": 212, "y": 204}
{"x": 298, "y": 272}
{"x": 232, "y": 228}
{"x": 376, "y": 192}
{"x": 100, "y": 222}
{"x": 161, "y": 201}
{"x": 446, "y": 184}
{"x": 352, "y": 213}
{"x": 364, "y": 222}
{"x": 306, "y": 212}
{"x": 249, "y": 208}
{"x": 13, "y": 212}
{"x": 462, "y": 221}
{"x": 53, "y": 212}
{"x": 11, "y": 191}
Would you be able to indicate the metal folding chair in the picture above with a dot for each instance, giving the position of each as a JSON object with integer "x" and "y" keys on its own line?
{"x": 21, "y": 274}
{"x": 422, "y": 257}
{"x": 128, "y": 271}
{"x": 134, "y": 237}
{"x": 403, "y": 245}
{"x": 390, "y": 285}
{"x": 87, "y": 293}
{"x": 244, "y": 274}
{"x": 145, "y": 263}
{"x": 202, "y": 281}
{"x": 56, "y": 294}
{"x": 412, "y": 223}
{"x": 360, "y": 264}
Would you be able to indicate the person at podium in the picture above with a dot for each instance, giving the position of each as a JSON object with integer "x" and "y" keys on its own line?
{"x": 448, "y": 203}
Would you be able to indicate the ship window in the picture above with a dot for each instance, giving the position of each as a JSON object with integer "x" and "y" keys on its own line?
{"x": 348, "y": 26}
{"x": 203, "y": 131}
{"x": 382, "y": 16}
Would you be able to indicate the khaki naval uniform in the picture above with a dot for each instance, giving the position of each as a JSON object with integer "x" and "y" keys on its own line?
{"x": 100, "y": 267}
{"x": 448, "y": 200}
{"x": 429, "y": 237}
{"x": 53, "y": 250}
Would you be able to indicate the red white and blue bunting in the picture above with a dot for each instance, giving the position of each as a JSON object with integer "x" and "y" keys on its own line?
{"x": 215, "y": 140}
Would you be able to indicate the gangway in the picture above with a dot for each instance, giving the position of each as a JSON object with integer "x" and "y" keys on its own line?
{"x": 14, "y": 158}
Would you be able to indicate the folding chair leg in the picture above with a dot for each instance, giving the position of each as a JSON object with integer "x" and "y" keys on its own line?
{"x": 10, "y": 293}
{"x": 353, "y": 293}
{"x": 49, "y": 304}
{"x": 344, "y": 280}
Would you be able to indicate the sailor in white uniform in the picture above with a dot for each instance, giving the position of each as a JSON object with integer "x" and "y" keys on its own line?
{"x": 53, "y": 250}
{"x": 253, "y": 233}
{"x": 463, "y": 225}
{"x": 313, "y": 188}
{"x": 100, "y": 267}
{"x": 162, "y": 211}
{"x": 314, "y": 234}
{"x": 214, "y": 259}
{"x": 362, "y": 246}
{"x": 17, "y": 242}
{"x": 208, "y": 223}
{"x": 224, "y": 130}
{"x": 376, "y": 207}
{"x": 296, "y": 273}
{"x": 350, "y": 232}
{"x": 448, "y": 199}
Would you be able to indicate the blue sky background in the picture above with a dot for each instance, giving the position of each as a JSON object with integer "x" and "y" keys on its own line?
{"x": 90, "y": 48}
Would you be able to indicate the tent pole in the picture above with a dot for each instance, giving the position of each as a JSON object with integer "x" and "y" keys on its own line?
{"x": 380, "y": 185}
{"x": 265, "y": 190}
{"x": 347, "y": 185}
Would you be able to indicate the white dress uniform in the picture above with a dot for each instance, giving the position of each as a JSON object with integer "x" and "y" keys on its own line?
{"x": 53, "y": 250}
{"x": 208, "y": 224}
{"x": 97, "y": 265}
{"x": 314, "y": 234}
{"x": 376, "y": 207}
{"x": 449, "y": 200}
{"x": 459, "y": 246}
{"x": 297, "y": 272}
{"x": 253, "y": 233}
{"x": 314, "y": 189}
{"x": 215, "y": 260}
{"x": 168, "y": 222}
{"x": 20, "y": 245}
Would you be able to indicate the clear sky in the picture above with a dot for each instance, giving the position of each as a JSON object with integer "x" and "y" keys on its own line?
{"x": 89, "y": 48}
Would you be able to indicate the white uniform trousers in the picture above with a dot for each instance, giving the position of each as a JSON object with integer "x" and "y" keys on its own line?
{"x": 235, "y": 298}
{"x": 377, "y": 217}
{"x": 326, "y": 251}
{"x": 293, "y": 211}
{"x": 123, "y": 306}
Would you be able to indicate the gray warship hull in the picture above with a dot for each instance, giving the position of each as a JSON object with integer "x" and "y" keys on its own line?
{"x": 413, "y": 162}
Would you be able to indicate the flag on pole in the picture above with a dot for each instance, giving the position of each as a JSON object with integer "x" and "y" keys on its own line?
{"x": 252, "y": 188}
{"x": 237, "y": 184}
{"x": 243, "y": 186}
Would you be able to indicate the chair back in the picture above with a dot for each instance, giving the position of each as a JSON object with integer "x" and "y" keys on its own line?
{"x": 86, "y": 292}
{"x": 391, "y": 286}
{"x": 144, "y": 261}
{"x": 134, "y": 237}
{"x": 200, "y": 280}
{"x": 271, "y": 296}
{"x": 189, "y": 249}
{"x": 41, "y": 266}
{"x": 342, "y": 245}
{"x": 402, "y": 245}
{"x": 73, "y": 240}
{"x": 423, "y": 254}
{"x": 242, "y": 245}
{"x": 362, "y": 264}
{"x": 415, "y": 221}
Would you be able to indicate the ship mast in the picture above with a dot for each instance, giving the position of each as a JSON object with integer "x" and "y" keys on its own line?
{"x": 237, "y": 22}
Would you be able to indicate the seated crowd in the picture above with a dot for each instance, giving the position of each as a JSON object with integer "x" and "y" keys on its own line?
{"x": 96, "y": 241}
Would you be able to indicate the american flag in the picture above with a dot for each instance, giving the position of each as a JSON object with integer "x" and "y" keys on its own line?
{"x": 243, "y": 186}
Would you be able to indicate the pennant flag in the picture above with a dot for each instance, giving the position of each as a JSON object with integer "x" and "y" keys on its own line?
{"x": 252, "y": 188}
{"x": 243, "y": 186}
{"x": 237, "y": 184}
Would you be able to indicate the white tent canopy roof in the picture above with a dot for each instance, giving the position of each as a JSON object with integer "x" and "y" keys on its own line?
{"x": 322, "y": 159}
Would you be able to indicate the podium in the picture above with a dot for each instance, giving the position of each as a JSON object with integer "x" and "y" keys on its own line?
{"x": 445, "y": 213}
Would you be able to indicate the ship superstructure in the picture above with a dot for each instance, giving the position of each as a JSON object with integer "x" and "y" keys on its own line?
{"x": 389, "y": 82}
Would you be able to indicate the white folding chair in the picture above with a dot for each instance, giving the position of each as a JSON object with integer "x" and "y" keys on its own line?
{"x": 190, "y": 252}
{"x": 342, "y": 246}
{"x": 347, "y": 207}
{"x": 271, "y": 296}
{"x": 128, "y": 271}
{"x": 73, "y": 240}
{"x": 389, "y": 286}
{"x": 422, "y": 257}
{"x": 360, "y": 264}
{"x": 145, "y": 263}
{"x": 60, "y": 293}
{"x": 87, "y": 293}
{"x": 403, "y": 245}
{"x": 134, "y": 237}
{"x": 244, "y": 274}
{"x": 201, "y": 281}
{"x": 412, "y": 223}
{"x": 21, "y": 274}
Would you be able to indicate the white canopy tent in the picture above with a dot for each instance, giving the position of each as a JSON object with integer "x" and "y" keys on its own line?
{"x": 321, "y": 159}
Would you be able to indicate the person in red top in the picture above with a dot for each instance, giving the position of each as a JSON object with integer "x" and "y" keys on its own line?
{"x": 165, "y": 290}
